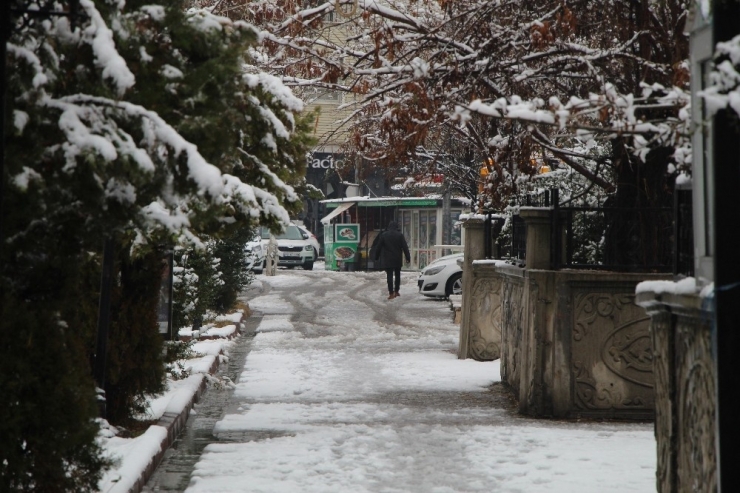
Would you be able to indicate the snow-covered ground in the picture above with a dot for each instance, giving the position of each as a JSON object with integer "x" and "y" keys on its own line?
{"x": 345, "y": 391}
{"x": 132, "y": 456}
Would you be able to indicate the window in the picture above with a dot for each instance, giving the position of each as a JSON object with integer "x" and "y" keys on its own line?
{"x": 455, "y": 229}
{"x": 328, "y": 96}
{"x": 292, "y": 233}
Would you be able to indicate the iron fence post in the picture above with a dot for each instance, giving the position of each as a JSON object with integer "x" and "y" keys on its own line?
{"x": 487, "y": 236}
{"x": 555, "y": 234}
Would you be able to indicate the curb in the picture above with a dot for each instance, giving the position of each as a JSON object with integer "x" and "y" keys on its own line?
{"x": 175, "y": 423}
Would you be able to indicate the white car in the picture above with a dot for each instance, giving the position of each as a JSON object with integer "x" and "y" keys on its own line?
{"x": 256, "y": 252}
{"x": 312, "y": 238}
{"x": 294, "y": 250}
{"x": 442, "y": 277}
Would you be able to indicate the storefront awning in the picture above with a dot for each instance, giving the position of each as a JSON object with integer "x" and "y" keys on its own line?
{"x": 341, "y": 208}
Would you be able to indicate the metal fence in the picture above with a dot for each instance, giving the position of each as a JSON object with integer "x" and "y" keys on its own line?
{"x": 517, "y": 247}
{"x": 611, "y": 238}
{"x": 518, "y": 238}
{"x": 684, "y": 234}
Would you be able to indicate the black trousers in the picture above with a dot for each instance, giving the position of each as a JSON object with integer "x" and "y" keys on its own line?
{"x": 389, "y": 273}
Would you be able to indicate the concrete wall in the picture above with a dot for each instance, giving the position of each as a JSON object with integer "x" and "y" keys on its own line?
{"x": 572, "y": 343}
{"x": 514, "y": 319}
{"x": 580, "y": 347}
{"x": 481, "y": 321}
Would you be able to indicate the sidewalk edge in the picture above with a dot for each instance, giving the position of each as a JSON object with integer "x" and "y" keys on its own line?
{"x": 175, "y": 422}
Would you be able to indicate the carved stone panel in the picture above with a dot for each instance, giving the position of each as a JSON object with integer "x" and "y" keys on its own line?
{"x": 485, "y": 320}
{"x": 685, "y": 391}
{"x": 695, "y": 397}
{"x": 661, "y": 330}
{"x": 512, "y": 326}
{"x": 611, "y": 353}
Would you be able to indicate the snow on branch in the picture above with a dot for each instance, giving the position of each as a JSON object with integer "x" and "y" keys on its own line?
{"x": 40, "y": 78}
{"x": 205, "y": 21}
{"x": 622, "y": 108}
{"x": 464, "y": 63}
{"x": 100, "y": 37}
{"x": 218, "y": 188}
{"x": 274, "y": 86}
{"x": 724, "y": 89}
{"x": 279, "y": 184}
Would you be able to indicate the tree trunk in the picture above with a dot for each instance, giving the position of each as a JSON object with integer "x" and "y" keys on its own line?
{"x": 639, "y": 220}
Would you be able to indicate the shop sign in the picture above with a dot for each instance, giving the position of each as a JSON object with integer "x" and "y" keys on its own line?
{"x": 344, "y": 251}
{"x": 322, "y": 161}
{"x": 347, "y": 232}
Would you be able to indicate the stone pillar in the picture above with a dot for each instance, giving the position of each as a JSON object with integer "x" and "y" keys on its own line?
{"x": 474, "y": 250}
{"x": 685, "y": 374}
{"x": 539, "y": 236}
{"x": 483, "y": 312}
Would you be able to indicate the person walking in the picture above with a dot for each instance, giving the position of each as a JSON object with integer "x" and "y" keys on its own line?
{"x": 391, "y": 248}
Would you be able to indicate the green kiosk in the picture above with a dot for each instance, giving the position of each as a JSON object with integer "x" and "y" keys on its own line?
{"x": 341, "y": 242}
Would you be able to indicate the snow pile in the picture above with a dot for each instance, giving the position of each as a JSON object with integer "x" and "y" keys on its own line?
{"x": 684, "y": 286}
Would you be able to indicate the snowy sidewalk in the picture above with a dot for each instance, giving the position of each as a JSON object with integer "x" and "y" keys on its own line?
{"x": 345, "y": 391}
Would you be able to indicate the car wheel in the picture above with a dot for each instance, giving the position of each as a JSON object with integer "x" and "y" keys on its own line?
{"x": 315, "y": 254}
{"x": 454, "y": 284}
{"x": 308, "y": 266}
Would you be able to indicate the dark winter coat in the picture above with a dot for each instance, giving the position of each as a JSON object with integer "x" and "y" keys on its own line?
{"x": 391, "y": 247}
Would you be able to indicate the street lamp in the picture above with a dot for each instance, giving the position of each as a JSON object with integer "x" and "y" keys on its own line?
{"x": 485, "y": 170}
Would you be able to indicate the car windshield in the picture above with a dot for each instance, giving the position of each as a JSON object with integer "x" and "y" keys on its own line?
{"x": 291, "y": 233}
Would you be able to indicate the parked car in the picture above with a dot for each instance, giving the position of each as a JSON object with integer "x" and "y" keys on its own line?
{"x": 293, "y": 248}
{"x": 442, "y": 277}
{"x": 312, "y": 238}
{"x": 256, "y": 253}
